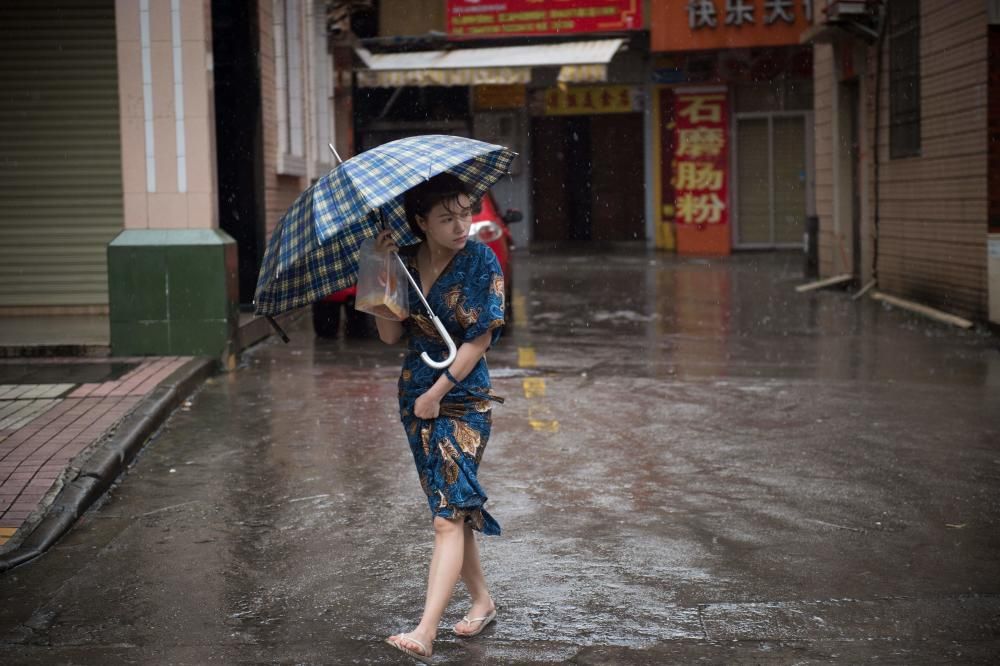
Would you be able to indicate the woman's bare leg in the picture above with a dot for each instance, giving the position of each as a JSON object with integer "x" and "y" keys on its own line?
{"x": 446, "y": 566}
{"x": 475, "y": 583}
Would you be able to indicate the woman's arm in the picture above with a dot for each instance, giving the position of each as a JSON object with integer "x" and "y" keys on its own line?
{"x": 389, "y": 331}
{"x": 428, "y": 405}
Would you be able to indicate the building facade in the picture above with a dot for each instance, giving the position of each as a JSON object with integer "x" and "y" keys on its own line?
{"x": 906, "y": 145}
{"x": 149, "y": 146}
{"x": 561, "y": 85}
{"x": 731, "y": 124}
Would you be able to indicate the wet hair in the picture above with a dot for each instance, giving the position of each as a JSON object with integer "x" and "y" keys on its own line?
{"x": 442, "y": 188}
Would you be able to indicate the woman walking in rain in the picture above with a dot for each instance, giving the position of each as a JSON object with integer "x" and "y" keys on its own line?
{"x": 446, "y": 414}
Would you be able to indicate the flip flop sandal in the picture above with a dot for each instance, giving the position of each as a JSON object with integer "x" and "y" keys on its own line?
{"x": 483, "y": 620}
{"x": 423, "y": 658}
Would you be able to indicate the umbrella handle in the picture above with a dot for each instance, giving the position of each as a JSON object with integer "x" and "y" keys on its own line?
{"x": 452, "y": 351}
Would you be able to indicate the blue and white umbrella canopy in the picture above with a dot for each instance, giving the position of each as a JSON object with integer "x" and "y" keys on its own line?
{"x": 314, "y": 250}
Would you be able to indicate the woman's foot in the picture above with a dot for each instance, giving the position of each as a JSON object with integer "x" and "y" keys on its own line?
{"x": 480, "y": 615}
{"x": 413, "y": 643}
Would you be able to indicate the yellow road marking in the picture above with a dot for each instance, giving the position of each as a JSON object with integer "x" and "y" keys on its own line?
{"x": 534, "y": 387}
{"x": 517, "y": 303}
{"x": 526, "y": 357}
{"x": 544, "y": 426}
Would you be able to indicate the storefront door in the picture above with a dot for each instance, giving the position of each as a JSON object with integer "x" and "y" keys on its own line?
{"x": 771, "y": 181}
{"x": 587, "y": 178}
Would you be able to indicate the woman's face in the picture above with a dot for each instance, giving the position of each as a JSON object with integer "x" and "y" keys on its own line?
{"x": 447, "y": 223}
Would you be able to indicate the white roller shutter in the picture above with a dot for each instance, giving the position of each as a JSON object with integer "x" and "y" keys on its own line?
{"x": 60, "y": 158}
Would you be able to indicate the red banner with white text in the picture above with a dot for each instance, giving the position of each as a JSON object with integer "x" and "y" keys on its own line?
{"x": 504, "y": 18}
{"x": 700, "y": 162}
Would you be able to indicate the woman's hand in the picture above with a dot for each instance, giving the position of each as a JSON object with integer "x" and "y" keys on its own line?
{"x": 426, "y": 407}
{"x": 383, "y": 242}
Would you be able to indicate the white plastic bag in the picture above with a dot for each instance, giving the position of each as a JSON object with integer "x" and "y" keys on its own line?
{"x": 382, "y": 286}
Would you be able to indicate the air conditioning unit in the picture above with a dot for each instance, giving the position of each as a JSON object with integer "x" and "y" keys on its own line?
{"x": 856, "y": 16}
{"x": 844, "y": 9}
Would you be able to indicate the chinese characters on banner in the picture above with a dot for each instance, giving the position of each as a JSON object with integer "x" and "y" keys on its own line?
{"x": 494, "y": 98}
{"x": 691, "y": 25}
{"x": 492, "y": 18}
{"x": 700, "y": 175}
{"x": 709, "y": 13}
{"x": 592, "y": 100}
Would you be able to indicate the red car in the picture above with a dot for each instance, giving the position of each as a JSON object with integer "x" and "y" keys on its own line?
{"x": 488, "y": 227}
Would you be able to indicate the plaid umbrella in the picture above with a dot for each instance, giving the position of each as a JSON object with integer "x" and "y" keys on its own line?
{"x": 314, "y": 250}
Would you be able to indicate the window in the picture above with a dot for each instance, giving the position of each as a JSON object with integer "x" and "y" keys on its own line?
{"x": 303, "y": 88}
{"x": 904, "y": 78}
{"x": 288, "y": 83}
{"x": 322, "y": 128}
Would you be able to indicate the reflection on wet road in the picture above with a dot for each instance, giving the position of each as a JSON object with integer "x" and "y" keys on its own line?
{"x": 738, "y": 474}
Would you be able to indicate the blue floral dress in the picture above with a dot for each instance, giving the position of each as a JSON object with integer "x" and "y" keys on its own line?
{"x": 468, "y": 298}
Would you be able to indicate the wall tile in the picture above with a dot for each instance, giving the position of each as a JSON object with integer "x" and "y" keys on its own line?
{"x": 165, "y": 136}
{"x": 167, "y": 211}
{"x": 135, "y": 208}
{"x": 133, "y": 151}
{"x": 163, "y": 80}
{"x": 127, "y": 20}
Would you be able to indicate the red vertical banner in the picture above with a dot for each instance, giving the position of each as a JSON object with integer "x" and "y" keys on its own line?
{"x": 700, "y": 172}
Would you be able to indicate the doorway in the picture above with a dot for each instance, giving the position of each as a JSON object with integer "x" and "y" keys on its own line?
{"x": 587, "y": 178}
{"x": 771, "y": 181}
{"x": 238, "y": 135}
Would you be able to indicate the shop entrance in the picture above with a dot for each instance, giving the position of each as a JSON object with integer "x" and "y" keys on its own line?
{"x": 771, "y": 179}
{"x": 587, "y": 178}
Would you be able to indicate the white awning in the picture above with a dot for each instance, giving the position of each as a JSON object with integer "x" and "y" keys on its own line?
{"x": 580, "y": 62}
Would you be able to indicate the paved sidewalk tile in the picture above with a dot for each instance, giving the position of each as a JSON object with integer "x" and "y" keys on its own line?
{"x": 43, "y": 427}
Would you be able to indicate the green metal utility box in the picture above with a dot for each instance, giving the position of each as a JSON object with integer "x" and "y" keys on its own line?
{"x": 173, "y": 292}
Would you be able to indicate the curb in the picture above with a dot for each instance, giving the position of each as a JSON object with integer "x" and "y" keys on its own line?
{"x": 109, "y": 460}
{"x": 48, "y": 351}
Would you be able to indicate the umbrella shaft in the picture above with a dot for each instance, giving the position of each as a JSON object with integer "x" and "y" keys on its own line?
{"x": 416, "y": 287}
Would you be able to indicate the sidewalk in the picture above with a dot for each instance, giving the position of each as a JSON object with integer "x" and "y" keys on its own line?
{"x": 45, "y": 426}
{"x": 72, "y": 418}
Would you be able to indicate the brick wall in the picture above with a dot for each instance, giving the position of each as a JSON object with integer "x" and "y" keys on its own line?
{"x": 994, "y": 128}
{"x": 933, "y": 208}
{"x": 823, "y": 91}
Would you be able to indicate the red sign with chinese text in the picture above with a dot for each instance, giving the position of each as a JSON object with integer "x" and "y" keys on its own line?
{"x": 503, "y": 18}
{"x": 700, "y": 172}
{"x": 690, "y": 25}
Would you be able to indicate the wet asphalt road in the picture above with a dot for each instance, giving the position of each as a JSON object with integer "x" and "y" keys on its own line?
{"x": 701, "y": 467}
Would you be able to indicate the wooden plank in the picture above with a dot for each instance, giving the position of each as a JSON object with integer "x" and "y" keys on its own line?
{"x": 822, "y": 284}
{"x": 924, "y": 310}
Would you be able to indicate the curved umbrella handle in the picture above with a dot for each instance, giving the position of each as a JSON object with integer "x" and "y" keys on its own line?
{"x": 452, "y": 351}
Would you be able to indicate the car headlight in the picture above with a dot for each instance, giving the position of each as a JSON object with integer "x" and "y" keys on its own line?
{"x": 485, "y": 231}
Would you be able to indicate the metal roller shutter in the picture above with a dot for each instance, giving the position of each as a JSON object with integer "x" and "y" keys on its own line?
{"x": 60, "y": 158}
